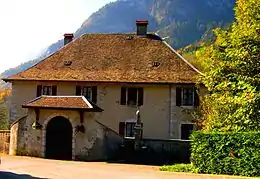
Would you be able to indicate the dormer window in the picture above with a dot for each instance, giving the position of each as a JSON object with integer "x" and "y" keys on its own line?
{"x": 67, "y": 63}
{"x": 156, "y": 64}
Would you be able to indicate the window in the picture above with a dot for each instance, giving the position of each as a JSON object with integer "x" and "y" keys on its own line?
{"x": 131, "y": 96}
{"x": 186, "y": 130}
{"x": 89, "y": 92}
{"x": 187, "y": 96}
{"x": 46, "y": 90}
{"x": 127, "y": 129}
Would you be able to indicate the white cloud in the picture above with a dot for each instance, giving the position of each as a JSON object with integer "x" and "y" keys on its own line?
{"x": 28, "y": 26}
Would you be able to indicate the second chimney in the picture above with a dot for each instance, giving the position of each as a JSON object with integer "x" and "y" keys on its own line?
{"x": 68, "y": 38}
{"x": 141, "y": 26}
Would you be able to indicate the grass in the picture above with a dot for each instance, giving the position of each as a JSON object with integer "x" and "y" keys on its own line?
{"x": 188, "y": 168}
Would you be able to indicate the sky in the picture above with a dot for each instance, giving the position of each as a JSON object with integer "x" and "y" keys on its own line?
{"x": 27, "y": 27}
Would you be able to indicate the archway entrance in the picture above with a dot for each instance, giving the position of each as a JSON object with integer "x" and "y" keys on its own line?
{"x": 59, "y": 139}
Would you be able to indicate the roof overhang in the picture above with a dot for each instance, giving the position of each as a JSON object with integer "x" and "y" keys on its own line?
{"x": 79, "y": 103}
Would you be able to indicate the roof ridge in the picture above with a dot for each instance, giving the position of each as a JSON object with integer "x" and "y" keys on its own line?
{"x": 182, "y": 58}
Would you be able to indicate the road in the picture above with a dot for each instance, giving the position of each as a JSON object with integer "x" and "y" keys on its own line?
{"x": 35, "y": 168}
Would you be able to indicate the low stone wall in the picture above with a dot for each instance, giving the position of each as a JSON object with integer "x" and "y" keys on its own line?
{"x": 157, "y": 152}
{"x": 4, "y": 141}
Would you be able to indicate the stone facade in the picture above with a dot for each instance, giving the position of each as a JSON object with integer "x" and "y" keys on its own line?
{"x": 85, "y": 146}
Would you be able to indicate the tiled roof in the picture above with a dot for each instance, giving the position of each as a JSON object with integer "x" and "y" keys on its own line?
{"x": 62, "y": 102}
{"x": 113, "y": 58}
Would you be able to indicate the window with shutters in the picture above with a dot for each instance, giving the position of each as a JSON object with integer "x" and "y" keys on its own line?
{"x": 89, "y": 92}
{"x": 131, "y": 96}
{"x": 127, "y": 129}
{"x": 187, "y": 96}
{"x": 46, "y": 90}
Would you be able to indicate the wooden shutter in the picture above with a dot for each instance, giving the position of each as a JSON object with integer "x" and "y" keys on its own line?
{"x": 54, "y": 90}
{"x": 122, "y": 128}
{"x": 178, "y": 96}
{"x": 39, "y": 90}
{"x": 94, "y": 94}
{"x": 140, "y": 96}
{"x": 123, "y": 96}
{"x": 196, "y": 97}
{"x": 78, "y": 90}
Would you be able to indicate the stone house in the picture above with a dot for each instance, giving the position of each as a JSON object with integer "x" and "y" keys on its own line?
{"x": 83, "y": 98}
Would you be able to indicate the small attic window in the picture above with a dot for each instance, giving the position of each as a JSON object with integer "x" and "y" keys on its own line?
{"x": 156, "y": 64}
{"x": 67, "y": 63}
{"x": 129, "y": 37}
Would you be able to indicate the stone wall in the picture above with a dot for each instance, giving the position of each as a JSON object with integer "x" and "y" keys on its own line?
{"x": 157, "y": 152}
{"x": 98, "y": 142}
{"x": 4, "y": 141}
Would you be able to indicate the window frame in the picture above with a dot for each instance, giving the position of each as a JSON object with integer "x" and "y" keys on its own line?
{"x": 123, "y": 128}
{"x": 51, "y": 90}
{"x": 93, "y": 92}
{"x": 88, "y": 90}
{"x": 185, "y": 102}
{"x": 180, "y": 96}
{"x": 132, "y": 129}
{"x": 126, "y": 101}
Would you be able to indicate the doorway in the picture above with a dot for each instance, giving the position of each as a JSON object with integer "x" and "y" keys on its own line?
{"x": 58, "y": 139}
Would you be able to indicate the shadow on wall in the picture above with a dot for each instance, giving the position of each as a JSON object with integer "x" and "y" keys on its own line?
{"x": 154, "y": 152}
{"x": 9, "y": 175}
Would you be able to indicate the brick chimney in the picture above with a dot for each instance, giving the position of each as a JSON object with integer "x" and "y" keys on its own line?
{"x": 141, "y": 26}
{"x": 68, "y": 38}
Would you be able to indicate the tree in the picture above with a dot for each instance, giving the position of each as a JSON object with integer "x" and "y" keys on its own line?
{"x": 232, "y": 73}
{"x": 4, "y": 108}
{"x": 4, "y": 116}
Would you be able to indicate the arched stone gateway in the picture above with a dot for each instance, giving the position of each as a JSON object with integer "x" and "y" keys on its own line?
{"x": 59, "y": 139}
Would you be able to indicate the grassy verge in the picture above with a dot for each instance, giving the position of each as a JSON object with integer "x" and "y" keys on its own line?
{"x": 188, "y": 168}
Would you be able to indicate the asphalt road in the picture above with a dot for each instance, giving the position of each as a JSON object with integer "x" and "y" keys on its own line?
{"x": 35, "y": 168}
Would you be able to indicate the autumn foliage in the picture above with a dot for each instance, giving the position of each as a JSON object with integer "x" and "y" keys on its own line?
{"x": 5, "y": 93}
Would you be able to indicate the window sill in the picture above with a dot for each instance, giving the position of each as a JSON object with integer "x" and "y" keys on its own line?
{"x": 129, "y": 137}
{"x": 188, "y": 107}
{"x": 129, "y": 106}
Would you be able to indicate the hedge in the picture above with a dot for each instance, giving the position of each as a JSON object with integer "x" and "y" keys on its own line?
{"x": 226, "y": 153}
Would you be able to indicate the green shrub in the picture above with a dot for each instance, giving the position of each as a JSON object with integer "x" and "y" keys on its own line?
{"x": 226, "y": 153}
{"x": 178, "y": 168}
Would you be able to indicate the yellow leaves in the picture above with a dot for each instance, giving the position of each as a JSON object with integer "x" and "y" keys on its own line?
{"x": 5, "y": 93}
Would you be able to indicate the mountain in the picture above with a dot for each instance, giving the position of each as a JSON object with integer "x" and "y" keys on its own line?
{"x": 183, "y": 21}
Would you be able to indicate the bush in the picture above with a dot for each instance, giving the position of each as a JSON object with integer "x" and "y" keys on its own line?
{"x": 226, "y": 153}
{"x": 178, "y": 168}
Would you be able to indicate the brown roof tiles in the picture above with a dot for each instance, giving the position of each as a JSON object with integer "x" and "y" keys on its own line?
{"x": 113, "y": 58}
{"x": 62, "y": 102}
